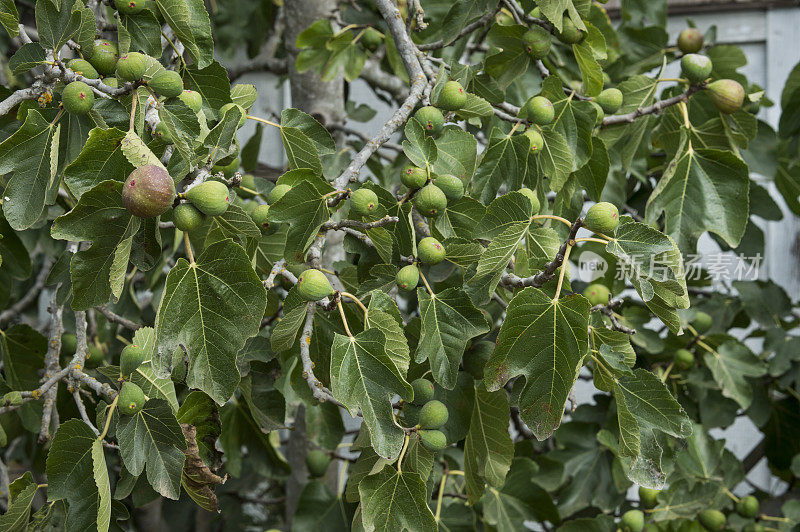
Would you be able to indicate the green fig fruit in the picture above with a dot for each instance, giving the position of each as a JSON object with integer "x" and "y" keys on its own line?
{"x": 602, "y": 218}
{"x": 161, "y": 132}
{"x": 260, "y": 216}
{"x": 84, "y": 68}
{"x": 210, "y": 197}
{"x": 104, "y": 56}
{"x": 77, "y": 98}
{"x": 408, "y": 277}
{"x": 452, "y": 186}
{"x": 540, "y": 110}
{"x": 130, "y": 359}
{"x": 413, "y": 176}
{"x": 431, "y": 119}
{"x": 130, "y": 7}
{"x": 277, "y": 193}
{"x": 690, "y": 40}
{"x": 186, "y": 217}
{"x": 632, "y": 521}
{"x": 610, "y": 100}
{"x": 475, "y": 358}
{"x": 430, "y": 251}
{"x": 702, "y": 322}
{"x": 227, "y": 170}
{"x": 131, "y": 399}
{"x": 754, "y": 527}
{"x": 433, "y": 415}
{"x": 433, "y": 440}
{"x": 371, "y": 39}
{"x": 111, "y": 82}
{"x": 317, "y": 462}
{"x": 167, "y": 83}
{"x": 430, "y": 201}
{"x": 224, "y": 109}
{"x": 651, "y": 527}
{"x": 712, "y": 520}
{"x": 727, "y": 95}
{"x": 131, "y": 66}
{"x": 452, "y": 97}
{"x": 192, "y": 99}
{"x": 363, "y": 202}
{"x": 423, "y": 391}
{"x": 696, "y": 68}
{"x": 69, "y": 344}
{"x": 537, "y": 142}
{"x": 148, "y": 192}
{"x": 600, "y": 113}
{"x": 95, "y": 356}
{"x": 504, "y": 18}
{"x": 597, "y": 294}
{"x": 12, "y": 398}
{"x": 537, "y": 42}
{"x": 534, "y": 199}
{"x": 648, "y": 497}
{"x": 312, "y": 285}
{"x": 747, "y": 507}
{"x": 570, "y": 34}
{"x": 411, "y": 414}
{"x": 683, "y": 359}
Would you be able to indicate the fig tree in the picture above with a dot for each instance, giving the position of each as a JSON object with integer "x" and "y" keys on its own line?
{"x": 104, "y": 56}
{"x": 610, "y": 100}
{"x": 430, "y": 201}
{"x": 648, "y": 497}
{"x": 423, "y": 391}
{"x": 597, "y": 294}
{"x": 131, "y": 66}
{"x": 192, "y": 99}
{"x": 210, "y": 197}
{"x": 413, "y": 176}
{"x": 569, "y": 34}
{"x": 452, "y": 97}
{"x": 148, "y": 192}
{"x": 77, "y": 98}
{"x": 431, "y": 119}
{"x": 363, "y": 202}
{"x": 702, "y": 322}
{"x": 537, "y": 142}
{"x": 277, "y": 193}
{"x": 312, "y": 285}
{"x": 602, "y": 218}
{"x": 747, "y": 507}
{"x": 475, "y": 358}
{"x": 690, "y": 40}
{"x": 534, "y": 199}
{"x": 696, "y": 68}
{"x": 727, "y": 95}
{"x": 540, "y": 110}
{"x": 131, "y": 399}
{"x": 317, "y": 462}
{"x": 712, "y": 520}
{"x": 224, "y": 109}
{"x": 433, "y": 415}
{"x": 166, "y": 83}
{"x": 186, "y": 217}
{"x": 430, "y": 251}
{"x": 537, "y": 42}
{"x": 84, "y": 68}
{"x": 683, "y": 359}
{"x": 452, "y": 186}
{"x": 433, "y": 440}
{"x": 131, "y": 358}
{"x": 632, "y": 521}
{"x": 408, "y": 277}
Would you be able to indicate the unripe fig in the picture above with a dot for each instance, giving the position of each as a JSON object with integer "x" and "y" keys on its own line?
{"x": 540, "y": 110}
{"x": 186, "y": 217}
{"x": 12, "y": 398}
{"x": 192, "y": 99}
{"x": 747, "y": 507}
{"x": 312, "y": 285}
{"x": 277, "y": 193}
{"x": 148, "y": 192}
{"x": 111, "y": 82}
{"x": 411, "y": 414}
{"x": 452, "y": 97}
{"x": 413, "y": 176}
{"x": 166, "y": 83}
{"x": 210, "y": 197}
{"x": 317, "y": 462}
{"x": 610, "y": 100}
{"x": 504, "y": 18}
{"x": 249, "y": 183}
{"x": 83, "y": 68}
{"x": 452, "y": 186}
{"x": 130, "y": 7}
{"x": 69, "y": 344}
{"x": 433, "y": 440}
{"x": 131, "y": 66}
{"x": 651, "y": 527}
{"x": 228, "y": 169}
{"x": 696, "y": 67}
{"x": 95, "y": 356}
{"x": 531, "y": 195}
{"x": 260, "y": 217}
{"x": 727, "y": 95}
{"x": 433, "y": 415}
{"x": 537, "y": 42}
{"x": 754, "y": 527}
{"x": 683, "y": 359}
{"x": 162, "y": 133}
{"x": 408, "y": 277}
{"x": 363, "y": 202}
{"x": 224, "y": 109}
{"x": 104, "y": 56}
{"x": 632, "y": 521}
{"x": 648, "y": 497}
{"x": 423, "y": 391}
{"x": 430, "y": 201}
{"x": 431, "y": 119}
{"x": 690, "y": 40}
{"x": 131, "y": 399}
{"x": 602, "y": 217}
{"x": 131, "y": 358}
{"x": 430, "y": 251}
{"x": 77, "y": 98}
{"x": 600, "y": 113}
{"x": 702, "y": 322}
{"x": 570, "y": 34}
{"x": 712, "y": 520}
{"x": 597, "y": 294}
{"x": 371, "y": 39}
{"x": 475, "y": 358}
{"x": 537, "y": 142}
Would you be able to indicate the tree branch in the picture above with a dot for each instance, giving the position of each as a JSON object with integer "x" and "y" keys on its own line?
{"x": 116, "y": 318}
{"x": 650, "y": 109}
{"x": 469, "y": 28}
{"x": 356, "y": 224}
{"x": 608, "y": 310}
{"x": 548, "y": 274}
{"x": 320, "y": 392}
{"x": 30, "y": 295}
{"x": 51, "y": 364}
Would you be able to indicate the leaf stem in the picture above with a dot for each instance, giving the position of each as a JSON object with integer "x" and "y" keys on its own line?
{"x": 440, "y": 496}
{"x": 402, "y": 454}
{"x": 731, "y": 495}
{"x": 551, "y": 217}
{"x": 344, "y": 319}
{"x": 109, "y": 411}
{"x": 590, "y": 239}
{"x": 766, "y": 517}
{"x": 561, "y": 274}
{"x": 264, "y": 121}
{"x": 425, "y": 281}
{"x": 188, "y": 248}
{"x": 358, "y": 302}
{"x": 666, "y": 373}
{"x": 135, "y": 98}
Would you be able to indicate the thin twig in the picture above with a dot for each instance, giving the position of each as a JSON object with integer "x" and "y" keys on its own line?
{"x": 650, "y": 109}
{"x": 116, "y": 318}
{"x": 30, "y": 296}
{"x": 548, "y": 273}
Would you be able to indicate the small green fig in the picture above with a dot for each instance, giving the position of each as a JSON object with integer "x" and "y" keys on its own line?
{"x": 570, "y": 34}
{"x": 747, "y": 507}
{"x": 167, "y": 83}
{"x": 95, "y": 356}
{"x": 632, "y": 521}
{"x": 610, "y": 100}
{"x": 131, "y": 66}
{"x": 277, "y": 193}
{"x": 162, "y": 133}
{"x": 534, "y": 199}
{"x": 104, "y": 56}
{"x": 696, "y": 68}
{"x": 712, "y": 520}
{"x": 312, "y": 285}
{"x": 423, "y": 391}
{"x": 371, "y": 39}
{"x": 83, "y": 68}
{"x": 433, "y": 440}
{"x": 602, "y": 218}
{"x": 77, "y": 98}
{"x": 131, "y": 399}
{"x": 413, "y": 176}
{"x": 540, "y": 110}
{"x": 408, "y": 277}
{"x": 690, "y": 40}
{"x": 430, "y": 201}
{"x": 683, "y": 359}
{"x": 452, "y": 96}
{"x": 537, "y": 42}
{"x": 597, "y": 294}
{"x": 317, "y": 462}
{"x": 260, "y": 217}
{"x": 431, "y": 119}
{"x": 648, "y": 497}
{"x": 433, "y": 415}
{"x": 537, "y": 142}
{"x": 727, "y": 95}
{"x": 430, "y": 251}
{"x": 452, "y": 186}
{"x": 186, "y": 217}
{"x": 363, "y": 202}
{"x": 12, "y": 398}
{"x": 192, "y": 99}
{"x": 224, "y": 109}
{"x": 210, "y": 197}
{"x": 702, "y": 322}
{"x": 130, "y": 359}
